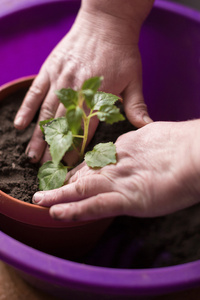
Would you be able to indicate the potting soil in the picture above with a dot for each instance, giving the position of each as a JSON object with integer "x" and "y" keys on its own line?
{"x": 18, "y": 176}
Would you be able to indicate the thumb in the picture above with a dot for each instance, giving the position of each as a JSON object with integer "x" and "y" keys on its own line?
{"x": 134, "y": 106}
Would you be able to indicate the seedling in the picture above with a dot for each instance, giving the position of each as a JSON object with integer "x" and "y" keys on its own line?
{"x": 65, "y": 134}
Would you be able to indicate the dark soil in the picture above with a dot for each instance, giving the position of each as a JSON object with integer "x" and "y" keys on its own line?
{"x": 18, "y": 177}
{"x": 129, "y": 242}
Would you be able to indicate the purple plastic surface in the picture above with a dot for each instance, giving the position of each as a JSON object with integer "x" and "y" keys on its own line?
{"x": 170, "y": 47}
{"x": 28, "y": 35}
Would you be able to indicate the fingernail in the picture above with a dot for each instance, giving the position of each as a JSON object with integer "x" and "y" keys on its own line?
{"x": 18, "y": 121}
{"x": 31, "y": 154}
{"x": 57, "y": 211}
{"x": 147, "y": 119}
{"x": 37, "y": 197}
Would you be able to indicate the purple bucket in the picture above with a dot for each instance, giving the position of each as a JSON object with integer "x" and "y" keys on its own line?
{"x": 170, "y": 47}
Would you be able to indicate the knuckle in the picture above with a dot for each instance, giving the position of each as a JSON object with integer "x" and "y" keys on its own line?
{"x": 47, "y": 112}
{"x": 35, "y": 90}
{"x": 74, "y": 71}
{"x": 138, "y": 106}
{"x": 54, "y": 198}
{"x": 81, "y": 187}
{"x": 101, "y": 200}
{"x": 120, "y": 139}
{"x": 57, "y": 56}
{"x": 76, "y": 212}
{"x": 74, "y": 175}
{"x": 100, "y": 203}
{"x": 57, "y": 196}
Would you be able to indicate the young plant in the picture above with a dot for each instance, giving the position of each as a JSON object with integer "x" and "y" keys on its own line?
{"x": 65, "y": 134}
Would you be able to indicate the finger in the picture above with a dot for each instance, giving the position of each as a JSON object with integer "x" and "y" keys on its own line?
{"x": 134, "y": 106}
{"x": 37, "y": 145}
{"x": 84, "y": 187}
{"x": 97, "y": 207}
{"x": 46, "y": 156}
{"x": 71, "y": 158}
{"x": 137, "y": 114}
{"x": 32, "y": 101}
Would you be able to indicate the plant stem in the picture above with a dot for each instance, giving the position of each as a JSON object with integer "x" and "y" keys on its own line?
{"x": 86, "y": 122}
{"x": 92, "y": 115}
{"x": 78, "y": 136}
{"x": 74, "y": 147}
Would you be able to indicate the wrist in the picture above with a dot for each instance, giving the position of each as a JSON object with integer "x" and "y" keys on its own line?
{"x": 119, "y": 20}
{"x": 190, "y": 159}
{"x": 195, "y": 153}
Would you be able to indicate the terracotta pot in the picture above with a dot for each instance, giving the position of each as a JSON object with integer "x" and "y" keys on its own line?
{"x": 32, "y": 224}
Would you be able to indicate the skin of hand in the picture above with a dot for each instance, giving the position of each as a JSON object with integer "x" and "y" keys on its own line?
{"x": 102, "y": 41}
{"x": 157, "y": 173}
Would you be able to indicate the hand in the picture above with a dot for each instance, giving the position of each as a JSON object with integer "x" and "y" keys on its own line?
{"x": 99, "y": 43}
{"x": 157, "y": 173}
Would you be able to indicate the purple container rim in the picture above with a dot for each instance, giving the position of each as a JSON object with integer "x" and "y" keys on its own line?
{"x": 172, "y": 7}
{"x": 179, "y": 9}
{"x": 19, "y": 6}
{"x": 65, "y": 273}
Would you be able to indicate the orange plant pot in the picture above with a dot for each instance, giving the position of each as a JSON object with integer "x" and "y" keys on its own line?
{"x": 32, "y": 224}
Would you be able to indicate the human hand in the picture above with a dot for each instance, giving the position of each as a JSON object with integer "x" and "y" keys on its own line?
{"x": 99, "y": 43}
{"x": 157, "y": 173}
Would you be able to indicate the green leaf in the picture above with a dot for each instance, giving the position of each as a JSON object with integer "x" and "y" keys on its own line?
{"x": 110, "y": 114}
{"x": 51, "y": 176}
{"x": 74, "y": 118}
{"x": 101, "y": 99}
{"x": 89, "y": 88}
{"x": 43, "y": 123}
{"x": 68, "y": 97}
{"x": 59, "y": 137}
{"x": 102, "y": 154}
{"x": 88, "y": 97}
{"x": 92, "y": 84}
